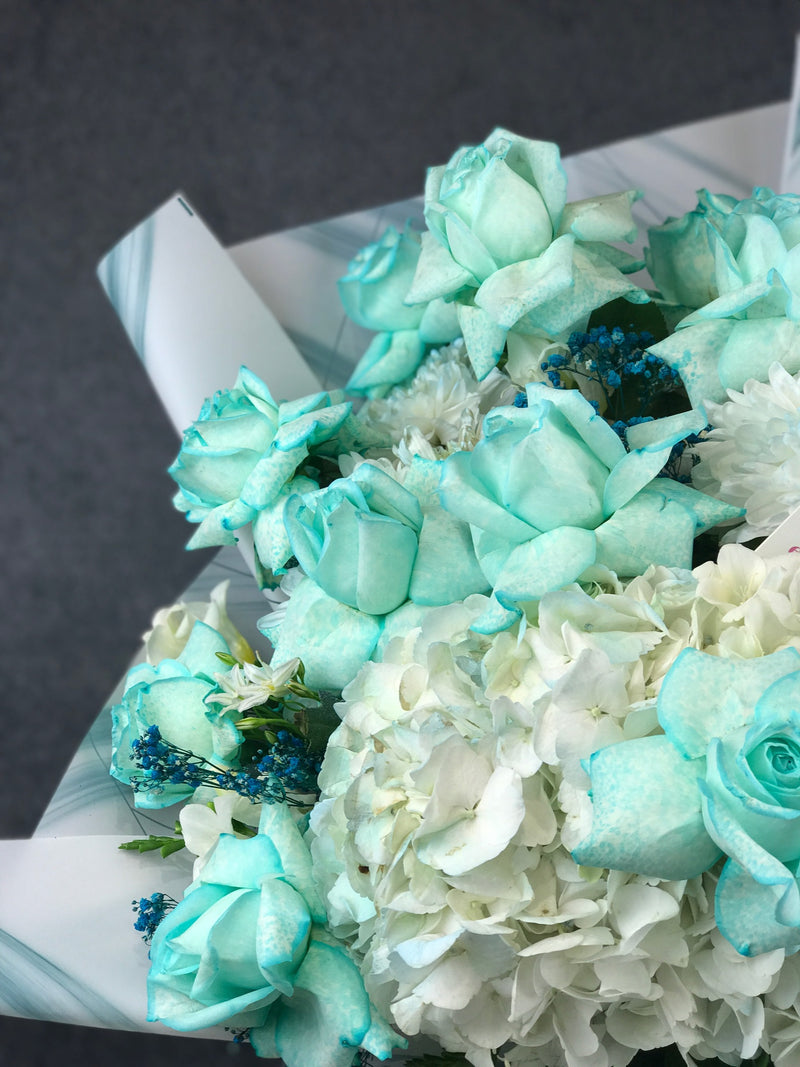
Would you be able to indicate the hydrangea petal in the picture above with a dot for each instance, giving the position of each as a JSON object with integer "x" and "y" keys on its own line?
{"x": 480, "y": 834}
{"x": 671, "y": 841}
{"x": 726, "y": 690}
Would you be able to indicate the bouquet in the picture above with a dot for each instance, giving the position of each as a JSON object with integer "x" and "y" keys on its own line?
{"x": 517, "y": 765}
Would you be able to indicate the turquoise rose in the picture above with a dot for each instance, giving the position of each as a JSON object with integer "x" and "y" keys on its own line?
{"x": 723, "y": 779}
{"x": 171, "y": 696}
{"x": 506, "y": 247}
{"x": 550, "y": 490}
{"x": 368, "y": 545}
{"x": 736, "y": 263}
{"x": 238, "y": 461}
{"x": 373, "y": 293}
{"x": 357, "y": 539}
{"x": 248, "y": 947}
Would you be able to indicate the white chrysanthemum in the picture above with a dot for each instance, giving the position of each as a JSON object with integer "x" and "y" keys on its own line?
{"x": 752, "y": 456}
{"x": 173, "y": 625}
{"x": 442, "y": 408}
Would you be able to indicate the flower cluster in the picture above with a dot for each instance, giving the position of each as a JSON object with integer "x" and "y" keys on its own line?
{"x": 455, "y": 789}
{"x": 554, "y": 817}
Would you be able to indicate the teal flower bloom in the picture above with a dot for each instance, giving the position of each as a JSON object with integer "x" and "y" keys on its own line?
{"x": 357, "y": 539}
{"x": 248, "y": 947}
{"x": 723, "y": 779}
{"x": 373, "y": 293}
{"x": 368, "y": 545}
{"x": 511, "y": 253}
{"x": 172, "y": 697}
{"x": 238, "y": 461}
{"x": 550, "y": 491}
{"x": 736, "y": 263}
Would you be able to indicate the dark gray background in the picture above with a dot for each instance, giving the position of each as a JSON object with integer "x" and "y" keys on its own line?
{"x": 268, "y": 114}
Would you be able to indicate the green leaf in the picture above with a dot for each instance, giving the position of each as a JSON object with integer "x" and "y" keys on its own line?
{"x": 166, "y": 845}
{"x": 243, "y": 829}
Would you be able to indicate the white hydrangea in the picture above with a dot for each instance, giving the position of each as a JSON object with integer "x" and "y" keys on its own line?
{"x": 752, "y": 455}
{"x": 453, "y": 791}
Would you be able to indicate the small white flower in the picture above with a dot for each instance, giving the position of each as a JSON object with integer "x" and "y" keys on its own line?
{"x": 251, "y": 684}
{"x": 752, "y": 456}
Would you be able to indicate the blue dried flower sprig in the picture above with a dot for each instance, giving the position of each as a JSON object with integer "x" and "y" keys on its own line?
{"x": 286, "y": 767}
{"x": 632, "y": 381}
{"x": 631, "y": 378}
{"x": 149, "y": 913}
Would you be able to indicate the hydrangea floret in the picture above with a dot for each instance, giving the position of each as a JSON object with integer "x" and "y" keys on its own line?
{"x": 722, "y": 779}
{"x": 737, "y": 264}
